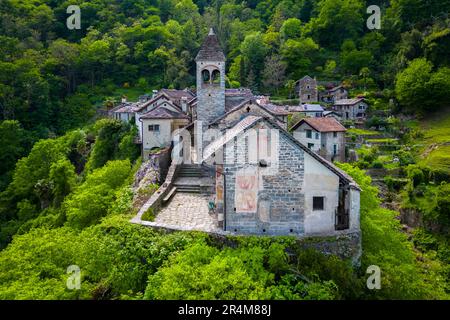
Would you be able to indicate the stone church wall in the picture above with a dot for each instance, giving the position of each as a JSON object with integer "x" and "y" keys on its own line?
{"x": 279, "y": 198}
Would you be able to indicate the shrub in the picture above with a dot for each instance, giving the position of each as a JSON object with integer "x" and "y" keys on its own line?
{"x": 415, "y": 174}
{"x": 92, "y": 199}
{"x": 377, "y": 164}
{"x": 149, "y": 215}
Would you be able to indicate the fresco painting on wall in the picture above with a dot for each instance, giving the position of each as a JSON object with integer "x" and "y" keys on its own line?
{"x": 246, "y": 198}
{"x": 219, "y": 185}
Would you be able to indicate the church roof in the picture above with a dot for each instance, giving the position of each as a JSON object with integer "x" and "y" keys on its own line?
{"x": 243, "y": 104}
{"x": 234, "y": 97}
{"x": 210, "y": 49}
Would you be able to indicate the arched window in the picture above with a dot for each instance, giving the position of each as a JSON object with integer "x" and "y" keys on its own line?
{"x": 205, "y": 76}
{"x": 216, "y": 77}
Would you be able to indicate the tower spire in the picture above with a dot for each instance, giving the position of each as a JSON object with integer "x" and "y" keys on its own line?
{"x": 210, "y": 49}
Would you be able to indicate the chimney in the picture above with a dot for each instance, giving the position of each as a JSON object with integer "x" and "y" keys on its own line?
{"x": 184, "y": 104}
{"x": 124, "y": 99}
{"x": 154, "y": 93}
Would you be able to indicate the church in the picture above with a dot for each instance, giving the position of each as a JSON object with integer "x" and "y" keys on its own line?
{"x": 261, "y": 180}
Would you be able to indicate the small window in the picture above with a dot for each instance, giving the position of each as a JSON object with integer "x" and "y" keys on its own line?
{"x": 317, "y": 135}
{"x": 308, "y": 133}
{"x": 318, "y": 203}
{"x": 153, "y": 127}
{"x": 334, "y": 149}
{"x": 309, "y": 96}
{"x": 310, "y": 145}
{"x": 335, "y": 134}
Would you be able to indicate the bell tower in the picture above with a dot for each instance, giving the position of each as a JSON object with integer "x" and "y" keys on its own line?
{"x": 210, "y": 62}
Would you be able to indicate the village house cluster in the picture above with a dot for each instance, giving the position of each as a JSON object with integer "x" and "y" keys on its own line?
{"x": 235, "y": 147}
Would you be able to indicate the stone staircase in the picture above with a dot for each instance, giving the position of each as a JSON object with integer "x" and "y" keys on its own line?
{"x": 188, "y": 180}
{"x": 190, "y": 170}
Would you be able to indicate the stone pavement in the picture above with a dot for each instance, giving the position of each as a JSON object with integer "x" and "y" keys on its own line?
{"x": 188, "y": 211}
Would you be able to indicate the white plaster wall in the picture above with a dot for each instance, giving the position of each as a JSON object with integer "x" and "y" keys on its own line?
{"x": 124, "y": 116}
{"x": 354, "y": 209}
{"x": 331, "y": 141}
{"x": 319, "y": 181}
{"x": 300, "y": 135}
{"x": 150, "y": 139}
{"x": 137, "y": 116}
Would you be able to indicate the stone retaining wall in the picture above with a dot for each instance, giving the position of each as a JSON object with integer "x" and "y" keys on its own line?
{"x": 156, "y": 199}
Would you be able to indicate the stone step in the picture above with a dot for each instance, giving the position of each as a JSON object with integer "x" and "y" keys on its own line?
{"x": 195, "y": 175}
{"x": 188, "y": 189}
{"x": 190, "y": 170}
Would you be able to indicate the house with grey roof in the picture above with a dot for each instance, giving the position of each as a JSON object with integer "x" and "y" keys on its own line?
{"x": 330, "y": 95}
{"x": 351, "y": 109}
{"x": 307, "y": 89}
{"x": 308, "y": 110}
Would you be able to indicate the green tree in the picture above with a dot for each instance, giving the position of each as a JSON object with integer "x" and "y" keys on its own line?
{"x": 91, "y": 200}
{"x": 291, "y": 29}
{"x": 299, "y": 55}
{"x": 253, "y": 51}
{"x": 63, "y": 179}
{"x": 419, "y": 88}
{"x": 14, "y": 143}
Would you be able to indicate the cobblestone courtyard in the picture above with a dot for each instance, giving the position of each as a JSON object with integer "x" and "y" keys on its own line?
{"x": 188, "y": 210}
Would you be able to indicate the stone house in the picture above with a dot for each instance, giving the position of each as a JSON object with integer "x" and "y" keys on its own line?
{"x": 333, "y": 94}
{"x": 325, "y": 136}
{"x": 125, "y": 111}
{"x": 307, "y": 89}
{"x": 158, "y": 125}
{"x": 333, "y": 114}
{"x": 351, "y": 109}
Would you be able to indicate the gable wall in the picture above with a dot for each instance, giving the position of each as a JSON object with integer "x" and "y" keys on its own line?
{"x": 239, "y": 114}
{"x": 300, "y": 135}
{"x": 280, "y": 196}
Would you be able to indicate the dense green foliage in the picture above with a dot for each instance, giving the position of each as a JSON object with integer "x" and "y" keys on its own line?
{"x": 56, "y": 168}
{"x": 386, "y": 246}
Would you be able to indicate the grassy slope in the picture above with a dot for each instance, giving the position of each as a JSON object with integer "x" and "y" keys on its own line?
{"x": 436, "y": 152}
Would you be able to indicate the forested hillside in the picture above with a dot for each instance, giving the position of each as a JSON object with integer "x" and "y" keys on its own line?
{"x": 51, "y": 78}
{"x": 65, "y": 176}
